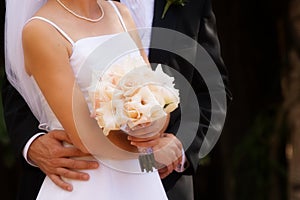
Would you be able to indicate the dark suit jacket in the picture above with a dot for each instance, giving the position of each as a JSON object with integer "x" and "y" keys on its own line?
{"x": 196, "y": 20}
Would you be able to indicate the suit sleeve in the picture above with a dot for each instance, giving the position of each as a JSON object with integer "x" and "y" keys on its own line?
{"x": 208, "y": 39}
{"x": 20, "y": 122}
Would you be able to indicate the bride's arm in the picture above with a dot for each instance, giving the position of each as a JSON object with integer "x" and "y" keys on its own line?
{"x": 130, "y": 24}
{"x": 132, "y": 29}
{"x": 46, "y": 56}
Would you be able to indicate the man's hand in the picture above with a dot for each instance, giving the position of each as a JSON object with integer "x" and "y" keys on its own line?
{"x": 55, "y": 160}
{"x": 167, "y": 151}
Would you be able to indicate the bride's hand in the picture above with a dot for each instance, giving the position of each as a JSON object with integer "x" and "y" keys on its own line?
{"x": 55, "y": 160}
{"x": 167, "y": 152}
{"x": 147, "y": 131}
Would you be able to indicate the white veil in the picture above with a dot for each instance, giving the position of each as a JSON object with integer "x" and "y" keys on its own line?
{"x": 17, "y": 14}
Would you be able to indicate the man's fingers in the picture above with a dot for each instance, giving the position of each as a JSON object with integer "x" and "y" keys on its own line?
{"x": 72, "y": 152}
{"x": 57, "y": 161}
{"x": 66, "y": 167}
{"x": 60, "y": 183}
{"x": 66, "y": 173}
{"x": 61, "y": 136}
{"x": 71, "y": 163}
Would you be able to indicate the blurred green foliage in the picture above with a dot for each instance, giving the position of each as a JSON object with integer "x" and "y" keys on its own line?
{"x": 259, "y": 158}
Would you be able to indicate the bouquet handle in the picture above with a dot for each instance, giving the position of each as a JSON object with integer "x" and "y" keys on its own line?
{"x": 146, "y": 159}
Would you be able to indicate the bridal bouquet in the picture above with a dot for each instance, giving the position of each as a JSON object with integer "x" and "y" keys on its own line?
{"x": 129, "y": 93}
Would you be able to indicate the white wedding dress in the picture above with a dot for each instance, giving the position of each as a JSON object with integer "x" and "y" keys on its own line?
{"x": 106, "y": 182}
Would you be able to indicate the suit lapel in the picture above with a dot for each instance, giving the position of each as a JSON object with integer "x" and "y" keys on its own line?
{"x": 169, "y": 22}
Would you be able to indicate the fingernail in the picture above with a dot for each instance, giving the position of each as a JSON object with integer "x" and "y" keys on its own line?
{"x": 85, "y": 177}
{"x": 95, "y": 165}
{"x": 69, "y": 188}
{"x": 132, "y": 143}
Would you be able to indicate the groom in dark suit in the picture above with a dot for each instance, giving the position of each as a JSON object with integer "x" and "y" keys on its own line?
{"x": 194, "y": 19}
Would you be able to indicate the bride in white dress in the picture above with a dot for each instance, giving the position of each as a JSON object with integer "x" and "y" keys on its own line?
{"x": 57, "y": 43}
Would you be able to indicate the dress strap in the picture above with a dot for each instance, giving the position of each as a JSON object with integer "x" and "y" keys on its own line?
{"x": 119, "y": 15}
{"x": 55, "y": 26}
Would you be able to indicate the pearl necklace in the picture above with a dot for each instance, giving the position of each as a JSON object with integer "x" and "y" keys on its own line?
{"x": 82, "y": 17}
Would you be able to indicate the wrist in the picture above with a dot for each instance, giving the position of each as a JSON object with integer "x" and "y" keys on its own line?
{"x": 184, "y": 163}
{"x": 27, "y": 147}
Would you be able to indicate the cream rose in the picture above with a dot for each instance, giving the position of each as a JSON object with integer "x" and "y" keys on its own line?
{"x": 131, "y": 93}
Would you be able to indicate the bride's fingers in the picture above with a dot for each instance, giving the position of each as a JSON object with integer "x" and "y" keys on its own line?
{"x": 151, "y": 143}
{"x": 60, "y": 183}
{"x": 164, "y": 172}
{"x": 144, "y": 138}
{"x": 147, "y": 128}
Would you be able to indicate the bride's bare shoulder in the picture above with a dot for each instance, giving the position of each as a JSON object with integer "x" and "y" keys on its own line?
{"x": 39, "y": 35}
{"x": 40, "y": 28}
{"x": 36, "y": 28}
{"x": 48, "y": 11}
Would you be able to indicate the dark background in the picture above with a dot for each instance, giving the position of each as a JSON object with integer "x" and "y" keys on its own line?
{"x": 250, "y": 161}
